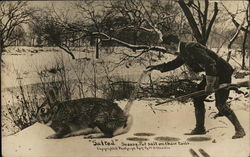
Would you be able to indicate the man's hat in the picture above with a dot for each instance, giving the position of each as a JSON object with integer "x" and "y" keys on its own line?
{"x": 167, "y": 39}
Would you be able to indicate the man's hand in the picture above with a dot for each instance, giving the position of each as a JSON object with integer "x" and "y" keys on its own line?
{"x": 152, "y": 67}
{"x": 210, "y": 80}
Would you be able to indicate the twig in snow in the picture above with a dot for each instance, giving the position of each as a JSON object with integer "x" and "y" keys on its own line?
{"x": 150, "y": 105}
{"x": 193, "y": 153}
{"x": 215, "y": 128}
{"x": 223, "y": 122}
{"x": 205, "y": 154}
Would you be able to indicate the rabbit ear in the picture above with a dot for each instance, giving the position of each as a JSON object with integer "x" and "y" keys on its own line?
{"x": 52, "y": 96}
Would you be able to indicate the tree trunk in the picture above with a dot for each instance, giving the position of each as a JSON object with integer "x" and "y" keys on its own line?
{"x": 191, "y": 21}
{"x": 97, "y": 47}
{"x": 1, "y": 50}
{"x": 232, "y": 41}
{"x": 95, "y": 83}
{"x": 1, "y": 46}
{"x": 202, "y": 34}
{"x": 243, "y": 66}
{"x": 209, "y": 28}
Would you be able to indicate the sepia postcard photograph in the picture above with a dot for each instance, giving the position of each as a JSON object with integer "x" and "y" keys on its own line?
{"x": 125, "y": 78}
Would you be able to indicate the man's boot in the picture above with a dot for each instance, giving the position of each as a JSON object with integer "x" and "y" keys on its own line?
{"x": 200, "y": 119}
{"x": 239, "y": 131}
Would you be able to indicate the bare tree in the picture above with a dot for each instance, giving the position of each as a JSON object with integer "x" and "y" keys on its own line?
{"x": 13, "y": 15}
{"x": 246, "y": 36}
{"x": 231, "y": 41}
{"x": 200, "y": 25}
{"x": 150, "y": 16}
{"x": 240, "y": 27}
{"x": 97, "y": 20}
{"x": 136, "y": 15}
{"x": 233, "y": 16}
{"x": 58, "y": 29}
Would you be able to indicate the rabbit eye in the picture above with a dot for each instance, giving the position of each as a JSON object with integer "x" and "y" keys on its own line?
{"x": 42, "y": 110}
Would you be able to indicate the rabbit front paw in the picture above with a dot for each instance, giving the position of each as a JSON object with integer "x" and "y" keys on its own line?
{"x": 91, "y": 136}
{"x": 53, "y": 136}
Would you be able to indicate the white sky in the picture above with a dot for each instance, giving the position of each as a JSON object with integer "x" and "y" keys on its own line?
{"x": 231, "y": 5}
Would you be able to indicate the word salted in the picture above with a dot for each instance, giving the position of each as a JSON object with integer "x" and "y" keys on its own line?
{"x": 103, "y": 143}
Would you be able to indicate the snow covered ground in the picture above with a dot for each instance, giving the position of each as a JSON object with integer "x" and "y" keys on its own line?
{"x": 160, "y": 129}
{"x": 171, "y": 124}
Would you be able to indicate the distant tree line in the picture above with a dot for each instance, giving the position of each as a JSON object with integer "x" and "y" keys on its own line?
{"x": 135, "y": 24}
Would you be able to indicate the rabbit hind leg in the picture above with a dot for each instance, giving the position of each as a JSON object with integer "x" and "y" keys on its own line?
{"x": 104, "y": 133}
{"x": 124, "y": 129}
{"x": 108, "y": 133}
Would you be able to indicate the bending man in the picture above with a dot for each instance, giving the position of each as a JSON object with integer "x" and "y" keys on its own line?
{"x": 199, "y": 58}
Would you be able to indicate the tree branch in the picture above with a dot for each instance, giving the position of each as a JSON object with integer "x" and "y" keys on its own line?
{"x": 131, "y": 46}
{"x": 66, "y": 49}
{"x": 191, "y": 20}
{"x": 216, "y": 10}
{"x": 233, "y": 39}
{"x": 197, "y": 8}
{"x": 234, "y": 21}
{"x": 200, "y": 14}
{"x": 204, "y": 26}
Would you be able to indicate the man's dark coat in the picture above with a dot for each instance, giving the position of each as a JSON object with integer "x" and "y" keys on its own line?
{"x": 198, "y": 58}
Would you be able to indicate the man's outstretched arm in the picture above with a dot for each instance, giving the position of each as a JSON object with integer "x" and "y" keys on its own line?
{"x": 164, "y": 67}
